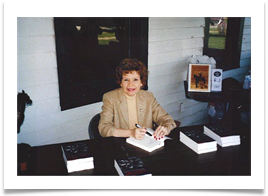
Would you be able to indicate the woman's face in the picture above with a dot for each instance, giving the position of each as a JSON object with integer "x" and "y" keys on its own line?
{"x": 131, "y": 83}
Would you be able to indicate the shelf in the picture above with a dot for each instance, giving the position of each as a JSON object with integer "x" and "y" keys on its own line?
{"x": 202, "y": 96}
{"x": 232, "y": 91}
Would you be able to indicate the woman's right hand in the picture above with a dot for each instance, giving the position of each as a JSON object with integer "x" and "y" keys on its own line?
{"x": 138, "y": 133}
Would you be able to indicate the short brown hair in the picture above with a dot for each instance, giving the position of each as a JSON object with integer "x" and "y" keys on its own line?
{"x": 127, "y": 66}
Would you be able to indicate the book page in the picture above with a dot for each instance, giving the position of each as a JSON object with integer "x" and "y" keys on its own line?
{"x": 152, "y": 131}
{"x": 149, "y": 141}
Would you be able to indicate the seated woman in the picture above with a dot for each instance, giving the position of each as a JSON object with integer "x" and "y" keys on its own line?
{"x": 129, "y": 105}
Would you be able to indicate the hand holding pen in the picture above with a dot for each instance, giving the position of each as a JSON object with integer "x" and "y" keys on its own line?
{"x": 138, "y": 126}
{"x": 139, "y": 132}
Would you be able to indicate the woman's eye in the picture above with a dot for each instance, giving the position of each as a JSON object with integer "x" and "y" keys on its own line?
{"x": 133, "y": 80}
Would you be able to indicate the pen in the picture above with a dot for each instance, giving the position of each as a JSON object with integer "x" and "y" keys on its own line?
{"x": 138, "y": 126}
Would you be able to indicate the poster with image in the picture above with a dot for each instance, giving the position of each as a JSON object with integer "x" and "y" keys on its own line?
{"x": 199, "y": 77}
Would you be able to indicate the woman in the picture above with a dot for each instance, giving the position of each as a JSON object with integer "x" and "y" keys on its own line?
{"x": 129, "y": 105}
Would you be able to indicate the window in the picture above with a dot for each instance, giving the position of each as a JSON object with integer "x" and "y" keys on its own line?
{"x": 89, "y": 49}
{"x": 223, "y": 39}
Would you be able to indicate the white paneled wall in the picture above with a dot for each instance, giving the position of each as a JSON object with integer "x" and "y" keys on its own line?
{"x": 171, "y": 42}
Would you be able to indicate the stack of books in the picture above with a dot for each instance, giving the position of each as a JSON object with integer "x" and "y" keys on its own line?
{"x": 223, "y": 135}
{"x": 131, "y": 166}
{"x": 77, "y": 157}
{"x": 199, "y": 142}
{"x": 205, "y": 139}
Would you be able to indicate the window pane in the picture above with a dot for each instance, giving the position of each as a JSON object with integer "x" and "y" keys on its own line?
{"x": 217, "y": 32}
{"x": 89, "y": 49}
{"x": 108, "y": 35}
{"x": 224, "y": 43}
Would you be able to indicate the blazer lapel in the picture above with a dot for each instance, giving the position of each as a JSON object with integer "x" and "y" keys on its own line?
{"x": 140, "y": 108}
{"x": 123, "y": 106}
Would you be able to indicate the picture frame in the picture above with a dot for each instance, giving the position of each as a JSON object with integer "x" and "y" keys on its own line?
{"x": 199, "y": 78}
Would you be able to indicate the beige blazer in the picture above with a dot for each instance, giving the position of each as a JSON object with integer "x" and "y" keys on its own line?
{"x": 115, "y": 112}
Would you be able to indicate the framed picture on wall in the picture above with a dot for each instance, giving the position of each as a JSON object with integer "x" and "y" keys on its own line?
{"x": 199, "y": 77}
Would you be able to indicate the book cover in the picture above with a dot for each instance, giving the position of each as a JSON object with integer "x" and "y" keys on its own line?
{"x": 76, "y": 151}
{"x": 199, "y": 142}
{"x": 199, "y": 77}
{"x": 131, "y": 166}
{"x": 223, "y": 135}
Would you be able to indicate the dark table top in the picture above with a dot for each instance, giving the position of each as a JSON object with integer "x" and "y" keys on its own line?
{"x": 226, "y": 95}
{"x": 174, "y": 158}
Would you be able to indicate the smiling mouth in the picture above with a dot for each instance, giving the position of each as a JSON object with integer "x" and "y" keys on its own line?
{"x": 131, "y": 89}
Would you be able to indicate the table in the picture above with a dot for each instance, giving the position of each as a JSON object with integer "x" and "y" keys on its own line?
{"x": 174, "y": 158}
{"x": 236, "y": 100}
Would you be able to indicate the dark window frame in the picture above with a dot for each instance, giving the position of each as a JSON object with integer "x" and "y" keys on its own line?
{"x": 228, "y": 58}
{"x": 77, "y": 90}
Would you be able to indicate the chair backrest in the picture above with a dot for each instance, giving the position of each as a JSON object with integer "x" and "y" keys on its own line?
{"x": 93, "y": 130}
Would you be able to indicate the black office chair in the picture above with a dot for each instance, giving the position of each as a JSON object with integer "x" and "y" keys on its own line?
{"x": 93, "y": 130}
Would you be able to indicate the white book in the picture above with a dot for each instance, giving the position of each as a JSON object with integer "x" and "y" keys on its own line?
{"x": 224, "y": 136}
{"x": 198, "y": 142}
{"x": 77, "y": 156}
{"x": 148, "y": 143}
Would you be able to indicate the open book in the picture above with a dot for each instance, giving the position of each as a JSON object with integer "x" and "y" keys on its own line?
{"x": 148, "y": 143}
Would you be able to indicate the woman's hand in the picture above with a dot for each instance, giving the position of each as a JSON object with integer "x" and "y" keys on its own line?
{"x": 138, "y": 133}
{"x": 160, "y": 132}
